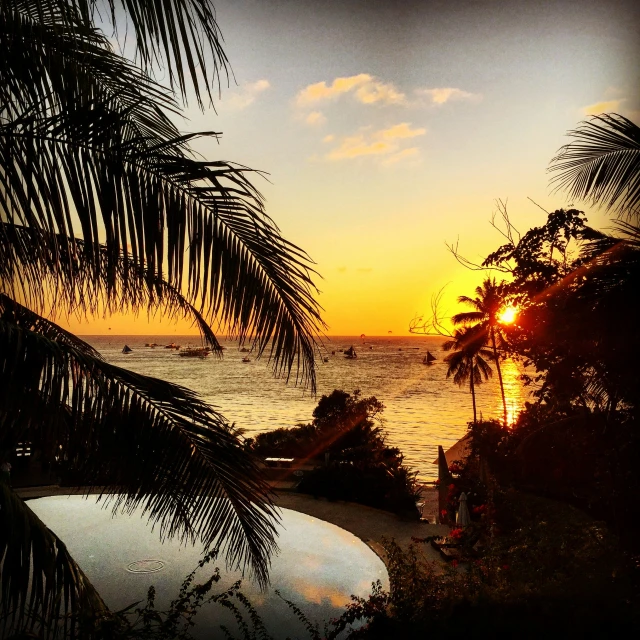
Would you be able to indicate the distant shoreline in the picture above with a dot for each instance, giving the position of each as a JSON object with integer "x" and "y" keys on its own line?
{"x": 197, "y": 335}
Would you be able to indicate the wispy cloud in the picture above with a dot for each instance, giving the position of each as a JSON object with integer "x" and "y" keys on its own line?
{"x": 375, "y": 91}
{"x": 245, "y": 96}
{"x": 315, "y": 118}
{"x": 365, "y": 88}
{"x": 355, "y": 146}
{"x": 402, "y": 130}
{"x": 329, "y": 138}
{"x": 602, "y": 107}
{"x": 383, "y": 142}
{"x": 442, "y": 95}
{"x": 411, "y": 152}
{"x": 320, "y": 91}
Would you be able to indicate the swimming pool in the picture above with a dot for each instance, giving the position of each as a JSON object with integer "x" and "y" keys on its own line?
{"x": 318, "y": 568}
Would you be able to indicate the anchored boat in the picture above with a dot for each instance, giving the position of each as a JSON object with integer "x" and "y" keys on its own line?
{"x": 429, "y": 358}
{"x": 195, "y": 352}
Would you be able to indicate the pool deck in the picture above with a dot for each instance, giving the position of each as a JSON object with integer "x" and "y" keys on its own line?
{"x": 366, "y": 523}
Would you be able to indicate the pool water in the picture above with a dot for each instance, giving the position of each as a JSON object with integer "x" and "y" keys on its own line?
{"x": 318, "y": 568}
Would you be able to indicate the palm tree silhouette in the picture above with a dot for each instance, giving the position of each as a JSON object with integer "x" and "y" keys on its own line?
{"x": 602, "y": 164}
{"x": 104, "y": 208}
{"x": 487, "y": 304}
{"x": 468, "y": 362}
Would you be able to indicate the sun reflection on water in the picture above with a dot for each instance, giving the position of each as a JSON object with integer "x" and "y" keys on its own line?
{"x": 512, "y": 391}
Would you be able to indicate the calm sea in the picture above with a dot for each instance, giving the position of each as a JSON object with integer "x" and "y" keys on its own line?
{"x": 422, "y": 408}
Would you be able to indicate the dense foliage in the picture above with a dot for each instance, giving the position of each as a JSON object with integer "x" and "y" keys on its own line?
{"x": 578, "y": 294}
{"x": 347, "y": 443}
{"x": 546, "y": 569}
{"x": 105, "y": 208}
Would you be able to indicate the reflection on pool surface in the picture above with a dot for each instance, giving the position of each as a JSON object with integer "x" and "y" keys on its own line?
{"x": 318, "y": 568}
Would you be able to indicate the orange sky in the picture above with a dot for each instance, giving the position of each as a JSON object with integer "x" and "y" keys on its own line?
{"x": 390, "y": 128}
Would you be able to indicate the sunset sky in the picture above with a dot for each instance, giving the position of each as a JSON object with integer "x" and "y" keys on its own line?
{"x": 388, "y": 128}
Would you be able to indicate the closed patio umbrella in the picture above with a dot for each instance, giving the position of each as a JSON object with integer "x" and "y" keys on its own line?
{"x": 463, "y": 517}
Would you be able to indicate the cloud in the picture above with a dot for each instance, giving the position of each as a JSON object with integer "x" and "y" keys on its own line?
{"x": 342, "y": 269}
{"x": 412, "y": 152}
{"x": 245, "y": 96}
{"x": 329, "y": 138}
{"x": 366, "y": 88}
{"x": 602, "y": 107}
{"x": 443, "y": 95}
{"x": 402, "y": 130}
{"x": 354, "y": 146}
{"x": 321, "y": 91}
{"x": 373, "y": 92}
{"x": 384, "y": 142}
{"x": 315, "y": 118}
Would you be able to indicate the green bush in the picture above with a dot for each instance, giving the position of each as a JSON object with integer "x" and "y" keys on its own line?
{"x": 347, "y": 443}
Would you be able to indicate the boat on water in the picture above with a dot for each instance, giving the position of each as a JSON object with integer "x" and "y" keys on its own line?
{"x": 429, "y": 358}
{"x": 127, "y": 349}
{"x": 246, "y": 359}
{"x": 244, "y": 350}
{"x": 195, "y": 352}
{"x": 325, "y": 359}
{"x": 350, "y": 353}
{"x": 172, "y": 345}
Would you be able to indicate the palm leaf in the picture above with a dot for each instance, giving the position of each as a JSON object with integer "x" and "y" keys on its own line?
{"x": 473, "y": 302}
{"x": 467, "y": 317}
{"x": 40, "y": 580}
{"x": 181, "y": 36}
{"x": 602, "y": 164}
{"x": 57, "y": 281}
{"x": 482, "y": 369}
{"x": 163, "y": 208}
{"x": 149, "y": 443}
{"x": 14, "y": 313}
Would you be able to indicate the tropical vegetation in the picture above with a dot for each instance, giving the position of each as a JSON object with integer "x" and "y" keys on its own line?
{"x": 104, "y": 208}
{"x": 347, "y": 446}
{"x": 576, "y": 289}
{"x": 468, "y": 362}
{"x": 488, "y": 304}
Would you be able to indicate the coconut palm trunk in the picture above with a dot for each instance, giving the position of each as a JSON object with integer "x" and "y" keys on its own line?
{"x": 468, "y": 360}
{"x": 473, "y": 393}
{"x": 487, "y": 304}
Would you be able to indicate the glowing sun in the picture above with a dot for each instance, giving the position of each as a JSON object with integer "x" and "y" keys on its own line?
{"x": 508, "y": 315}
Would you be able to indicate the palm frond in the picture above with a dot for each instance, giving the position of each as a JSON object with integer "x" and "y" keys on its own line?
{"x": 149, "y": 443}
{"x": 467, "y": 317}
{"x": 181, "y": 36}
{"x": 204, "y": 221}
{"x": 40, "y": 579}
{"x": 472, "y": 302}
{"x": 14, "y": 313}
{"x": 51, "y": 65}
{"x": 64, "y": 283}
{"x": 602, "y": 163}
{"x": 482, "y": 369}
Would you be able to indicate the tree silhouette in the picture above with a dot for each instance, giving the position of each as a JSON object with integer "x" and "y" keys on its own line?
{"x": 602, "y": 163}
{"x": 468, "y": 362}
{"x": 488, "y": 302}
{"x": 104, "y": 208}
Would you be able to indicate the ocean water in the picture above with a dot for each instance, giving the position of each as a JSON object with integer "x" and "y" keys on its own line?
{"x": 422, "y": 407}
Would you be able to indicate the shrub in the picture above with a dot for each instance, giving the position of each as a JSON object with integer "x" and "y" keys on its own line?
{"x": 347, "y": 442}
